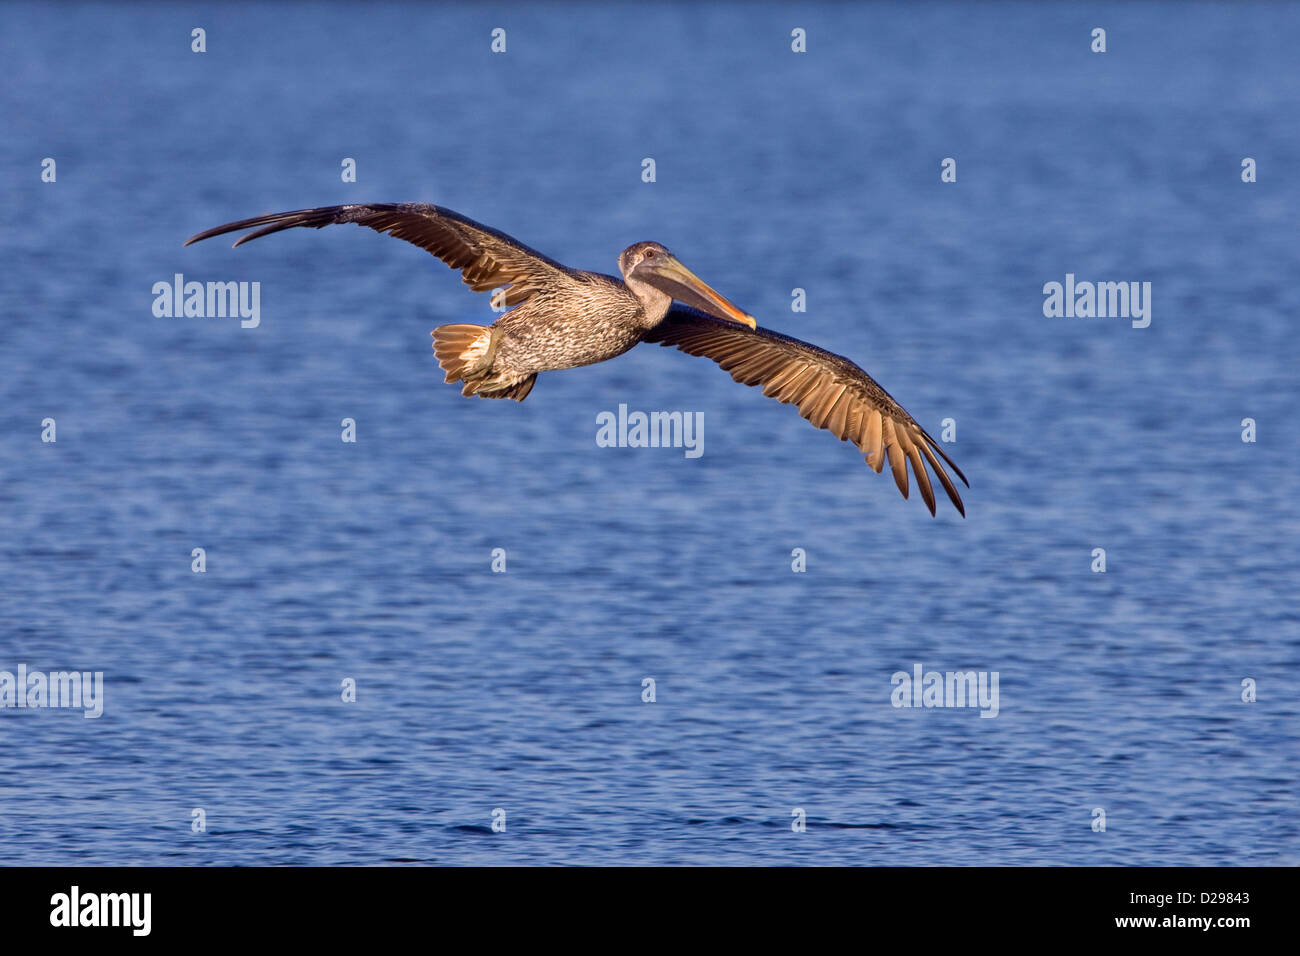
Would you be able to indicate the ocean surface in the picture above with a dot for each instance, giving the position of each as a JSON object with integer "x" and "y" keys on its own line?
{"x": 516, "y": 696}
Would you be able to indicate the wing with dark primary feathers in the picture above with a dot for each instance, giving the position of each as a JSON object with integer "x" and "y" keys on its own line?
{"x": 487, "y": 259}
{"x": 830, "y": 391}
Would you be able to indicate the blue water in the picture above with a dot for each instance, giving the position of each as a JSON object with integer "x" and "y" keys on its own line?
{"x": 522, "y": 690}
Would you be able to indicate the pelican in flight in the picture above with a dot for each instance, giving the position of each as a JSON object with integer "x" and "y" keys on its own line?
{"x": 564, "y": 318}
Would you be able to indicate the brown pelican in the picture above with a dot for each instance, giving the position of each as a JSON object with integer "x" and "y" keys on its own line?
{"x": 564, "y": 318}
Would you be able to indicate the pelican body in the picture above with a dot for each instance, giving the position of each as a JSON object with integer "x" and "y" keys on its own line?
{"x": 562, "y": 318}
{"x": 578, "y": 318}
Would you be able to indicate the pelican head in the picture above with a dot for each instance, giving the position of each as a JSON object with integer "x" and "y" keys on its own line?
{"x": 656, "y": 277}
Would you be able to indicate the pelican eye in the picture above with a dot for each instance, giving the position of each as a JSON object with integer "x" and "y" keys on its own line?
{"x": 648, "y": 254}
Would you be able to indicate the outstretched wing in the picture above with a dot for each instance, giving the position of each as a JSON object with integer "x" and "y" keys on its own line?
{"x": 830, "y": 391}
{"x": 486, "y": 258}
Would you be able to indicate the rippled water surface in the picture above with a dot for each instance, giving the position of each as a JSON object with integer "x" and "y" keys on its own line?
{"x": 522, "y": 691}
